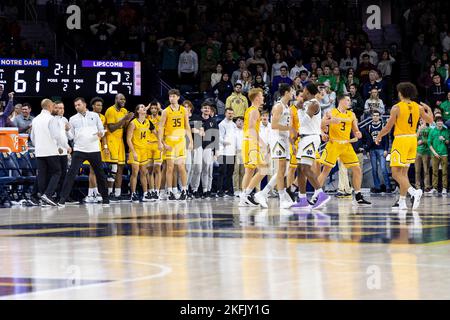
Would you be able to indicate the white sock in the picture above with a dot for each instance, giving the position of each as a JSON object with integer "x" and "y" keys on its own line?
{"x": 301, "y": 195}
{"x": 91, "y": 192}
{"x": 282, "y": 193}
{"x": 270, "y": 185}
{"x": 411, "y": 191}
{"x": 292, "y": 188}
{"x": 110, "y": 190}
{"x": 402, "y": 199}
{"x": 247, "y": 192}
{"x": 316, "y": 193}
{"x": 96, "y": 191}
{"x": 174, "y": 190}
{"x": 117, "y": 192}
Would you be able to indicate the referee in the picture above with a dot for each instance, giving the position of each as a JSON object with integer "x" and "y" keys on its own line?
{"x": 86, "y": 128}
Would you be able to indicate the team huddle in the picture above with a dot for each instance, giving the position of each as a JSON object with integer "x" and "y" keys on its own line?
{"x": 158, "y": 148}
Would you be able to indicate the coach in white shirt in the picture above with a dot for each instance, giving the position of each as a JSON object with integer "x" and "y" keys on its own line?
{"x": 48, "y": 146}
{"x": 227, "y": 152}
{"x": 65, "y": 135}
{"x": 86, "y": 127}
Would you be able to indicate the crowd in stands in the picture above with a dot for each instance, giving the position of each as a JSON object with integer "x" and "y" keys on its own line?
{"x": 225, "y": 48}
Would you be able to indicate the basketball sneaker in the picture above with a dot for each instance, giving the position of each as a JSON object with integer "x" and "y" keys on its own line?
{"x": 163, "y": 195}
{"x": 322, "y": 200}
{"x": 171, "y": 197}
{"x": 261, "y": 199}
{"x": 251, "y": 201}
{"x": 183, "y": 196}
{"x": 134, "y": 197}
{"x": 113, "y": 198}
{"x": 48, "y": 201}
{"x": 90, "y": 199}
{"x": 360, "y": 201}
{"x": 148, "y": 197}
{"x": 285, "y": 201}
{"x": 416, "y": 198}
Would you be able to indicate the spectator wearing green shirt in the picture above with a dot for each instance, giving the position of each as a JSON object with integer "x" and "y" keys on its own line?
{"x": 328, "y": 76}
{"x": 438, "y": 140}
{"x": 445, "y": 107}
{"x": 423, "y": 157}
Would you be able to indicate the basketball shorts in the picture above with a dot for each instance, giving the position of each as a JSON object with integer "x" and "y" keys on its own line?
{"x": 343, "y": 151}
{"x": 307, "y": 149}
{"x": 116, "y": 150}
{"x": 154, "y": 154}
{"x": 251, "y": 154}
{"x": 178, "y": 148}
{"x": 404, "y": 150}
{"x": 142, "y": 154}
{"x": 280, "y": 147}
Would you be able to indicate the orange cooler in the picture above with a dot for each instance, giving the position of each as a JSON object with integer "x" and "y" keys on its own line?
{"x": 23, "y": 142}
{"x": 9, "y": 138}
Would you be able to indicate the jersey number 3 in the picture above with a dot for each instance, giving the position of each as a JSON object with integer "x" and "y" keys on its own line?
{"x": 343, "y": 126}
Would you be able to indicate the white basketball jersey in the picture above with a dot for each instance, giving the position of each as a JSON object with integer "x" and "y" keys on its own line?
{"x": 285, "y": 120}
{"x": 308, "y": 125}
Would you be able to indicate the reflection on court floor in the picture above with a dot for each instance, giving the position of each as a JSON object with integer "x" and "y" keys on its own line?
{"x": 134, "y": 248}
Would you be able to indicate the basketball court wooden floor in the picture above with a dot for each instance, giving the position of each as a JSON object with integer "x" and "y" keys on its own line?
{"x": 211, "y": 249}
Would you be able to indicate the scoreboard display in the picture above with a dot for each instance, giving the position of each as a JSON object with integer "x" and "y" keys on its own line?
{"x": 43, "y": 78}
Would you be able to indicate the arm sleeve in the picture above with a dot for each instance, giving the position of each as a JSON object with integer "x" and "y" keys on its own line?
{"x": 382, "y": 109}
{"x": 9, "y": 109}
{"x": 69, "y": 133}
{"x": 55, "y": 133}
{"x": 222, "y": 133}
{"x": 32, "y": 135}
{"x": 430, "y": 137}
{"x": 100, "y": 127}
{"x": 366, "y": 106}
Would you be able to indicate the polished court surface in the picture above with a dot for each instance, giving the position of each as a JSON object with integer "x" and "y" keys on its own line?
{"x": 212, "y": 249}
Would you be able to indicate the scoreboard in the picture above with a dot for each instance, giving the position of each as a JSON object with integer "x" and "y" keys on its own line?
{"x": 44, "y": 78}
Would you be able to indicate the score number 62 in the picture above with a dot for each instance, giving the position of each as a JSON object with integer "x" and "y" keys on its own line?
{"x": 103, "y": 87}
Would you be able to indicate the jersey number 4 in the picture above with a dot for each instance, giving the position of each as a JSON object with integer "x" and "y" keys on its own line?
{"x": 410, "y": 120}
{"x": 176, "y": 123}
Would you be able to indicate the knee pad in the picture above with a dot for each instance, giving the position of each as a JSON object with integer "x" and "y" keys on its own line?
{"x": 112, "y": 173}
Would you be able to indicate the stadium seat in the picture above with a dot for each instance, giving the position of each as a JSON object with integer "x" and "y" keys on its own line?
{"x": 27, "y": 172}
{"x": 11, "y": 170}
